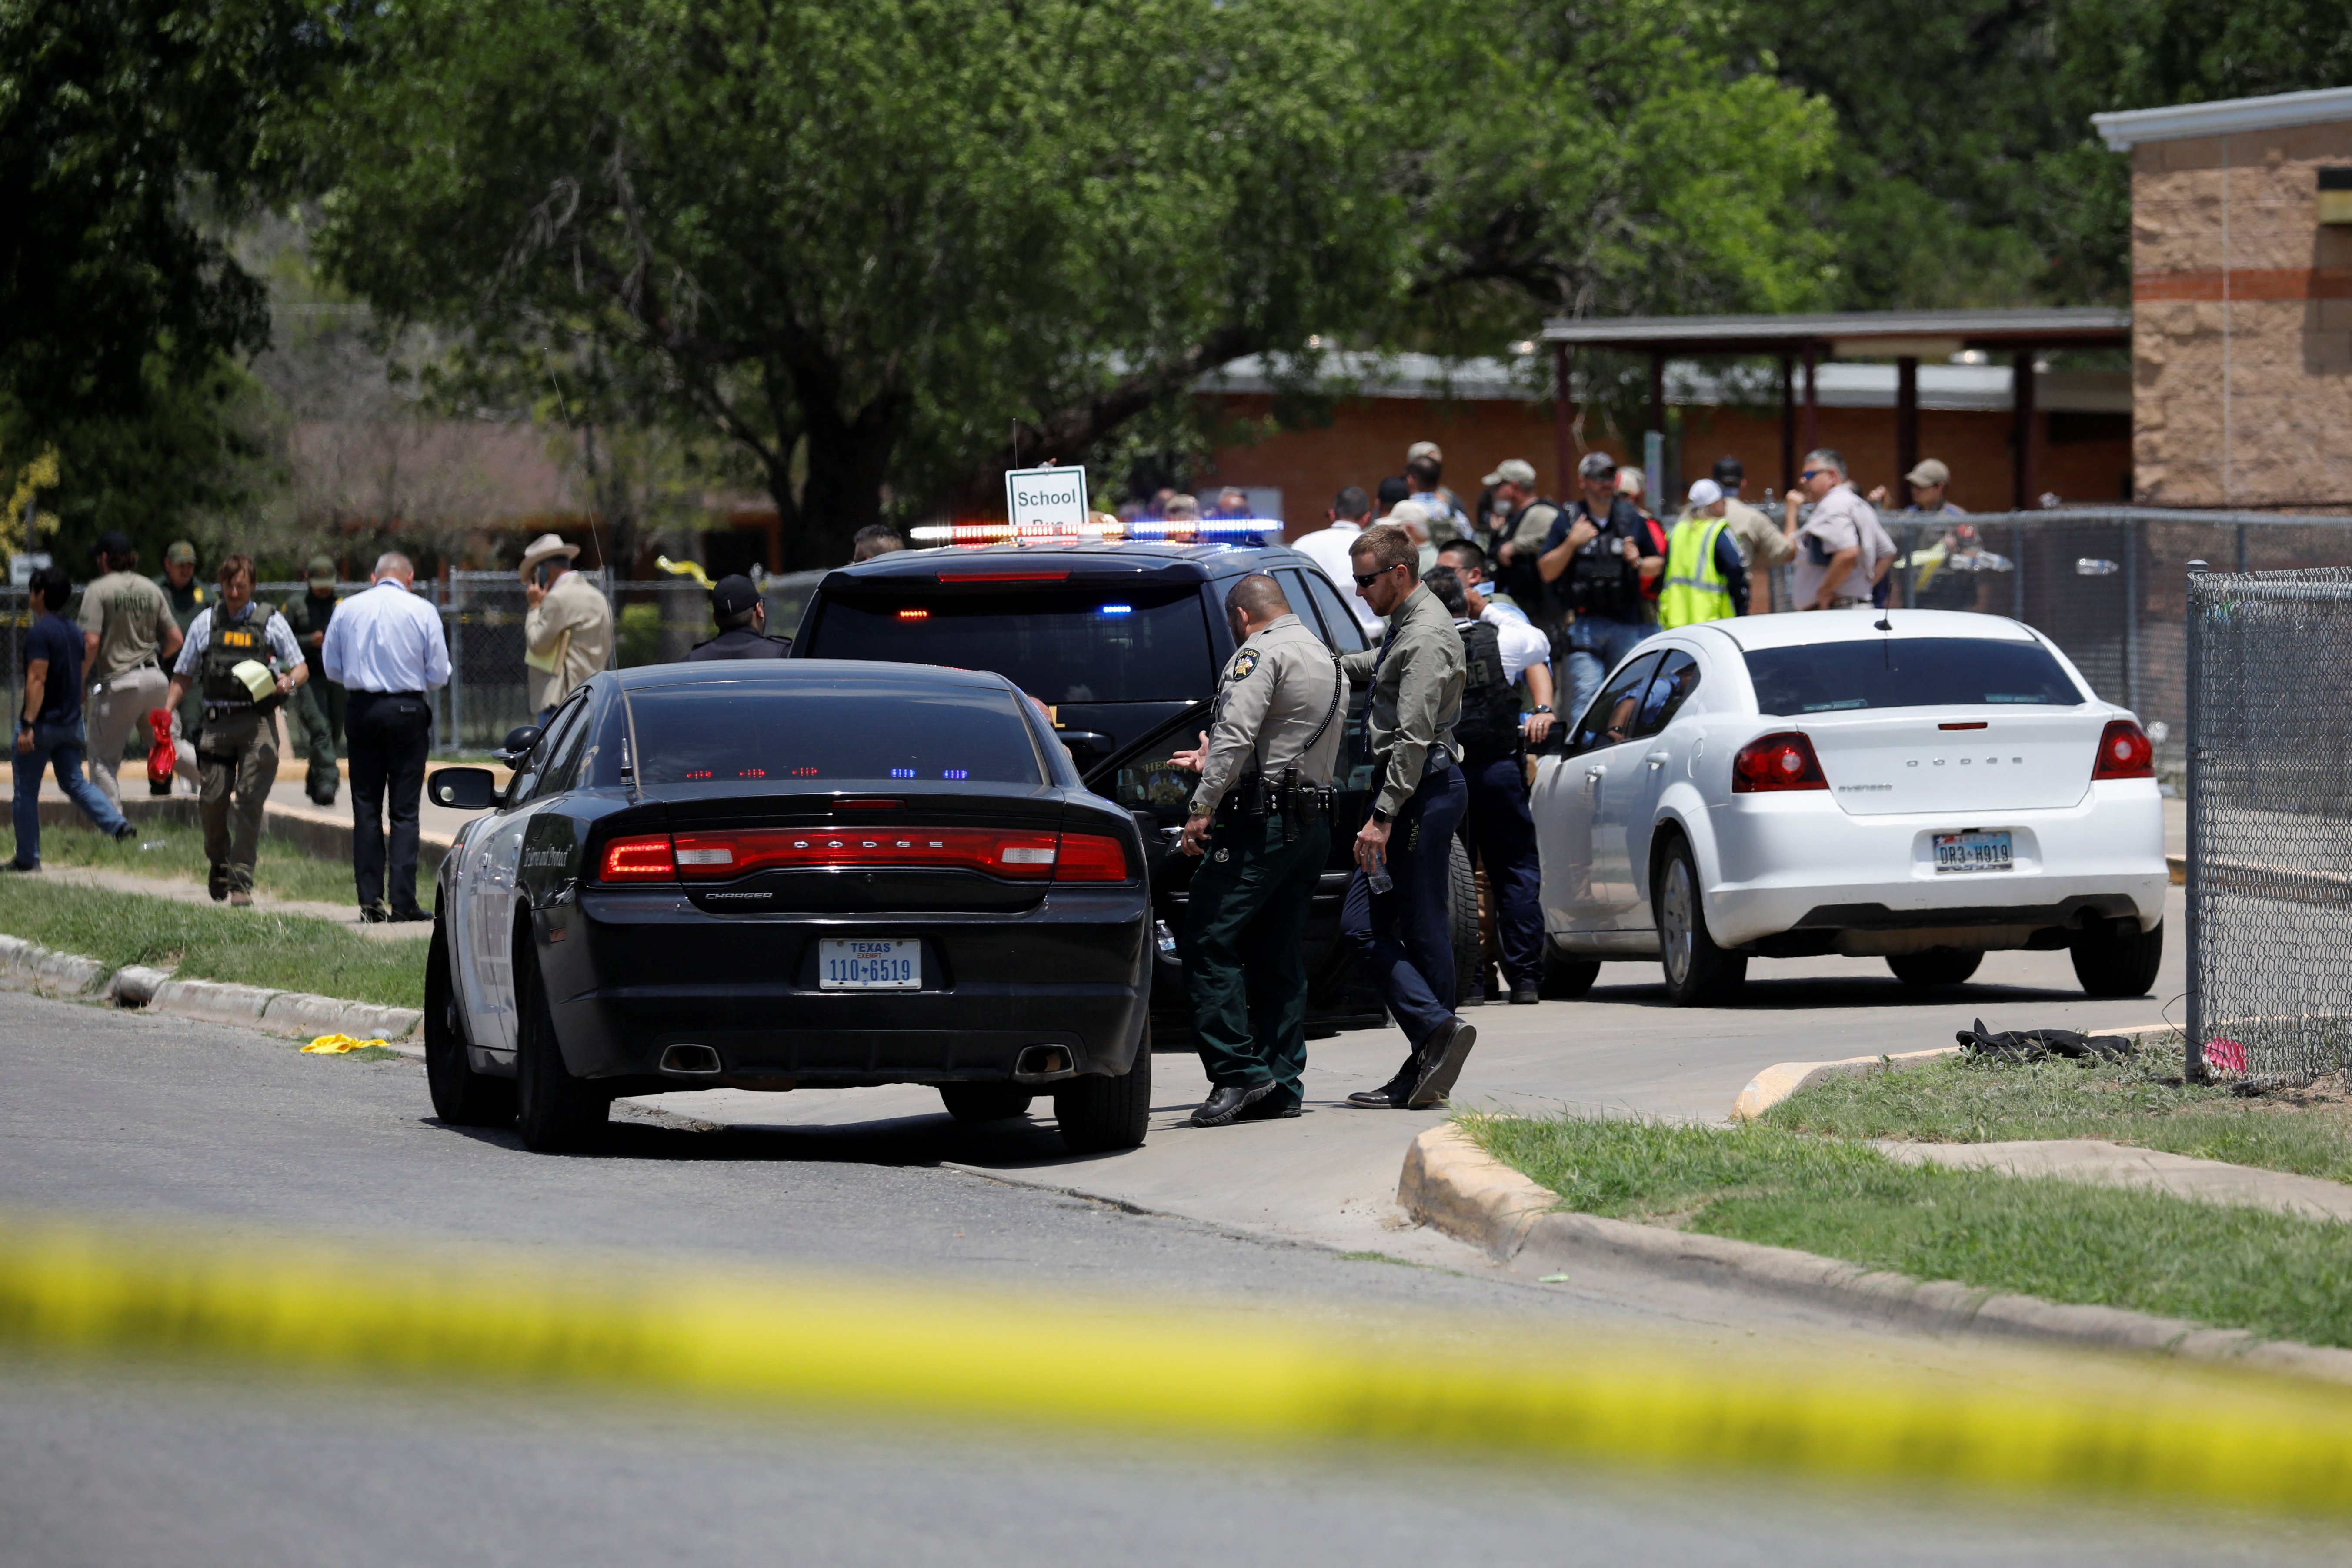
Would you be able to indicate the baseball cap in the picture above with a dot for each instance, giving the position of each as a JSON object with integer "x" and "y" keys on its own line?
{"x": 1423, "y": 449}
{"x": 1929, "y": 472}
{"x": 1729, "y": 470}
{"x": 180, "y": 553}
{"x": 322, "y": 571}
{"x": 111, "y": 543}
{"x": 1597, "y": 465}
{"x": 732, "y": 594}
{"x": 1631, "y": 482}
{"x": 1705, "y": 492}
{"x": 1512, "y": 472}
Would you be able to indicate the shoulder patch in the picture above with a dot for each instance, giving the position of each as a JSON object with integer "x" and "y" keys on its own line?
{"x": 1243, "y": 663}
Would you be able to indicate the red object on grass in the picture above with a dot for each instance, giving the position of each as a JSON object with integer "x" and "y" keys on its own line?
{"x": 2225, "y": 1055}
{"x": 162, "y": 756}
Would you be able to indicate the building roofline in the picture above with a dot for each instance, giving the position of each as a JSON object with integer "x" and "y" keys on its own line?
{"x": 1734, "y": 334}
{"x": 2123, "y": 129}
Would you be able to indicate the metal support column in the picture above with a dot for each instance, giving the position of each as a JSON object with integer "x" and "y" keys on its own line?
{"x": 2024, "y": 470}
{"x": 1788, "y": 427}
{"x": 1563, "y": 426}
{"x": 2131, "y": 615}
{"x": 1907, "y": 425}
{"x": 1812, "y": 398}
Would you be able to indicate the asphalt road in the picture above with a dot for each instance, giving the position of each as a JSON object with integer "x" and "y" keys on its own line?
{"x": 111, "y": 1113}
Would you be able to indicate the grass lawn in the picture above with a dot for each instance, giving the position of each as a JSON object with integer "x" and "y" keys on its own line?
{"x": 2234, "y": 1268}
{"x": 282, "y": 870}
{"x": 202, "y": 941}
{"x": 2140, "y": 1100}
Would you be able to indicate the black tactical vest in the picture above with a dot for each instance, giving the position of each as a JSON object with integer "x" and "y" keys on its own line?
{"x": 1489, "y": 729}
{"x": 230, "y": 644}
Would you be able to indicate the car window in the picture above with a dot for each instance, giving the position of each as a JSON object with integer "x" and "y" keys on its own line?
{"x": 1610, "y": 720}
{"x": 1676, "y": 678}
{"x": 1302, "y": 602}
{"x": 724, "y": 732}
{"x": 562, "y": 731}
{"x": 562, "y": 770}
{"x": 1907, "y": 673}
{"x": 1339, "y": 623}
{"x": 1059, "y": 643}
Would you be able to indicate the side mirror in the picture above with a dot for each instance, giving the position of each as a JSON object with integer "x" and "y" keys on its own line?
{"x": 463, "y": 789}
{"x": 519, "y": 742}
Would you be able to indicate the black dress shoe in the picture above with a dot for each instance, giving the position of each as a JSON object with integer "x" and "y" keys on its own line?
{"x": 1524, "y": 995}
{"x": 124, "y": 832}
{"x": 1442, "y": 1056}
{"x": 1273, "y": 1107}
{"x": 1391, "y": 1095}
{"x": 373, "y": 914}
{"x": 1226, "y": 1101}
{"x": 217, "y": 883}
{"x": 408, "y": 915}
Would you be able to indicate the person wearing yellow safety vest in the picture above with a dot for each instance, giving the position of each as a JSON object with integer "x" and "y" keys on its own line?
{"x": 1706, "y": 577}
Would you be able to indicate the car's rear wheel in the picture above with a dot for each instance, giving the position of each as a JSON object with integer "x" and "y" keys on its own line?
{"x": 1698, "y": 973}
{"x": 2116, "y": 958}
{"x": 984, "y": 1101}
{"x": 1461, "y": 924}
{"x": 1099, "y": 1113}
{"x": 461, "y": 1097}
{"x": 1565, "y": 978}
{"x": 1937, "y": 966}
{"x": 555, "y": 1112}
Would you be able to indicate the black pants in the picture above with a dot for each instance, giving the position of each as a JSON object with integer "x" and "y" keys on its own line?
{"x": 389, "y": 734}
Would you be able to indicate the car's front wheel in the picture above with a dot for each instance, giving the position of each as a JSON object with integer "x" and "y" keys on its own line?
{"x": 984, "y": 1101}
{"x": 1937, "y": 966}
{"x": 461, "y": 1097}
{"x": 556, "y": 1113}
{"x": 1698, "y": 973}
{"x": 2116, "y": 958}
{"x": 1100, "y": 1113}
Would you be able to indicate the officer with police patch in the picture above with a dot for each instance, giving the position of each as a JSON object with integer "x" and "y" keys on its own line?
{"x": 1262, "y": 816}
{"x": 243, "y": 660}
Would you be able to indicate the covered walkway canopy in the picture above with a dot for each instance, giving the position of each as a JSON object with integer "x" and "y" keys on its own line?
{"x": 1906, "y": 337}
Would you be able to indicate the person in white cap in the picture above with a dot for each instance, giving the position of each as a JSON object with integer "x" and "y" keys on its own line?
{"x": 1706, "y": 577}
{"x": 568, "y": 629}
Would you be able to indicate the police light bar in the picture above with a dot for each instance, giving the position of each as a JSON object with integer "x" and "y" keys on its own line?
{"x": 1227, "y": 529}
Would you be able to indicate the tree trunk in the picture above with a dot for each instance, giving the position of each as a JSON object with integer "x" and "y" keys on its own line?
{"x": 848, "y": 463}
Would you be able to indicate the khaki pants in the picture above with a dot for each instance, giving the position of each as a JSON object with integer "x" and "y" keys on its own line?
{"x": 116, "y": 707}
{"x": 235, "y": 789}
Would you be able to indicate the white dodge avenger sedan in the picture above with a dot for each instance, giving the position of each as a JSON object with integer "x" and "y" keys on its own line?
{"x": 1920, "y": 785}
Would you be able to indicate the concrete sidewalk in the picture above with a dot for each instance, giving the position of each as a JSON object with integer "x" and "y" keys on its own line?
{"x": 2116, "y": 1164}
{"x": 193, "y": 892}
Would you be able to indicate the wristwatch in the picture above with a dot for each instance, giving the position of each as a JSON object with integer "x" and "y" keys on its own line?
{"x": 1380, "y": 816}
{"x": 1544, "y": 707}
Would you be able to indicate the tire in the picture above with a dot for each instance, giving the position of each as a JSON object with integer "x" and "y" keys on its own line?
{"x": 461, "y": 1097}
{"x": 1099, "y": 1113}
{"x": 555, "y": 1112}
{"x": 1566, "y": 979}
{"x": 1461, "y": 924}
{"x": 985, "y": 1102}
{"x": 1937, "y": 966}
{"x": 1698, "y": 973}
{"x": 2116, "y": 958}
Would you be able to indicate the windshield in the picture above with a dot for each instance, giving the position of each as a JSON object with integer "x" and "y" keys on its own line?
{"x": 1907, "y": 673}
{"x": 726, "y": 732}
{"x": 1094, "y": 645}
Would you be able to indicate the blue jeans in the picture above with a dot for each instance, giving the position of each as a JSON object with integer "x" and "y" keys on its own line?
{"x": 1596, "y": 646}
{"x": 1499, "y": 829}
{"x": 1405, "y": 931}
{"x": 58, "y": 746}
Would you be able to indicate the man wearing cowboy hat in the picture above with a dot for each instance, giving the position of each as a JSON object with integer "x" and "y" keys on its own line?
{"x": 568, "y": 629}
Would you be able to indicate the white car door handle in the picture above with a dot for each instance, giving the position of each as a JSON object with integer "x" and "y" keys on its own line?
{"x": 1658, "y": 758}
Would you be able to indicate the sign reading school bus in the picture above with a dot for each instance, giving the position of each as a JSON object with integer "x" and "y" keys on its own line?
{"x": 1045, "y": 503}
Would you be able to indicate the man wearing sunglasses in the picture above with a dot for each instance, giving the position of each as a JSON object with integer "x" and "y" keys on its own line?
{"x": 1833, "y": 569}
{"x": 1396, "y": 910}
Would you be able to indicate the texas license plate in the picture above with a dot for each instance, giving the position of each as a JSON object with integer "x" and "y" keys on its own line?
{"x": 855, "y": 964}
{"x": 1972, "y": 852}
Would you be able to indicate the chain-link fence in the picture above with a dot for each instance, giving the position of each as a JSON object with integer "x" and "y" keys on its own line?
{"x": 2270, "y": 822}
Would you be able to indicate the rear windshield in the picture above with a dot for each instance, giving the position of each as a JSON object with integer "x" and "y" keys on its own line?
{"x": 1064, "y": 646}
{"x": 727, "y": 733}
{"x": 1907, "y": 673}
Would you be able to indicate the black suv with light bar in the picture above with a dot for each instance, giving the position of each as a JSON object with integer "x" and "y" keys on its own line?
{"x": 802, "y": 874}
{"x": 1121, "y": 643}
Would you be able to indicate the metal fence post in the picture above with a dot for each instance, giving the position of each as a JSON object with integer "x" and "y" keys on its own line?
{"x": 458, "y": 664}
{"x": 2131, "y": 615}
{"x": 2192, "y": 1059}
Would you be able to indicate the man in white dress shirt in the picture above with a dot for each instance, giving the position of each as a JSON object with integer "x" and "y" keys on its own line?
{"x": 1328, "y": 547}
{"x": 385, "y": 647}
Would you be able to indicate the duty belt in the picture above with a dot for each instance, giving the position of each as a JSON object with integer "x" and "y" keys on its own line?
{"x": 1253, "y": 799}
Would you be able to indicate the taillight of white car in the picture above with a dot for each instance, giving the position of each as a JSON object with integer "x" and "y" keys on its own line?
{"x": 2125, "y": 753}
{"x": 1778, "y": 762}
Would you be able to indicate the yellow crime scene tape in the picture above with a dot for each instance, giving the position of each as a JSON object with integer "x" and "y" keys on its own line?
{"x": 2165, "y": 1431}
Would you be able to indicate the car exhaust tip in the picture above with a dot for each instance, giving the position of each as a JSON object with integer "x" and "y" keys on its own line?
{"x": 1039, "y": 1062}
{"x": 690, "y": 1061}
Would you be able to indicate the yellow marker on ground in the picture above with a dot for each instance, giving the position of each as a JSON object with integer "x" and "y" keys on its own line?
{"x": 336, "y": 1045}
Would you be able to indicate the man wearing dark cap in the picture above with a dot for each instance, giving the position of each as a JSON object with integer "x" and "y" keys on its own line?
{"x": 1760, "y": 537}
{"x": 315, "y": 716}
{"x": 127, "y": 631}
{"x": 742, "y": 617}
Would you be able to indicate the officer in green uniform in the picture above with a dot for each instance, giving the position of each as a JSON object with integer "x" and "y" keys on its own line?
{"x": 189, "y": 599}
{"x": 314, "y": 718}
{"x": 241, "y": 658}
{"x": 1262, "y": 818}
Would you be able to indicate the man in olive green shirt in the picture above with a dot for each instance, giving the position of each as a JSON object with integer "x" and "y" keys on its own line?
{"x": 127, "y": 633}
{"x": 314, "y": 717}
{"x": 188, "y": 599}
{"x": 1397, "y": 911}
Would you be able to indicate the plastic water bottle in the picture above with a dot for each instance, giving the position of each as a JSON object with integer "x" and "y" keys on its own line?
{"x": 1379, "y": 878}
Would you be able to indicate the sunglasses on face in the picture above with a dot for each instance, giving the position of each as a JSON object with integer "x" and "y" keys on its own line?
{"x": 1809, "y": 473}
{"x": 1365, "y": 579}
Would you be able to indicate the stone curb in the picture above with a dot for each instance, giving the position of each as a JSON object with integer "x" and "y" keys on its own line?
{"x": 1778, "y": 1082}
{"x": 1453, "y": 1184}
{"x": 297, "y": 1015}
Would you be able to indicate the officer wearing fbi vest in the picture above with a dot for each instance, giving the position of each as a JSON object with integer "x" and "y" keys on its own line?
{"x": 1262, "y": 816}
{"x": 242, "y": 659}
